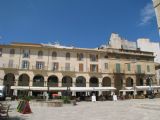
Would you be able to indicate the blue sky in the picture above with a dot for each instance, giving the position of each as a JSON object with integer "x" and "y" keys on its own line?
{"x": 81, "y": 23}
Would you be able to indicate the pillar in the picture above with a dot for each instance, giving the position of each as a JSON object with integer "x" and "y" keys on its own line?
{"x": 73, "y": 85}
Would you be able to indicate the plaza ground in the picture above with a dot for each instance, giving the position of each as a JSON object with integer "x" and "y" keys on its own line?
{"x": 135, "y": 109}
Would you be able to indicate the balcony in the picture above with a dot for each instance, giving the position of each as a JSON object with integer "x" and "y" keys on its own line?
{"x": 39, "y": 68}
{"x": 6, "y": 66}
{"x": 139, "y": 72}
{"x": 119, "y": 71}
{"x": 68, "y": 69}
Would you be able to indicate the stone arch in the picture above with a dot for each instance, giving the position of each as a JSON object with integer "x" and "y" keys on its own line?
{"x": 67, "y": 81}
{"x": 118, "y": 82}
{"x": 9, "y": 80}
{"x": 81, "y": 81}
{"x": 139, "y": 81}
{"x": 106, "y": 82}
{"x": 52, "y": 81}
{"x": 23, "y": 80}
{"x": 129, "y": 82}
{"x": 38, "y": 80}
{"x": 93, "y": 82}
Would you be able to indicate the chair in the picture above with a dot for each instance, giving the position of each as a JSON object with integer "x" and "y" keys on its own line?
{"x": 4, "y": 112}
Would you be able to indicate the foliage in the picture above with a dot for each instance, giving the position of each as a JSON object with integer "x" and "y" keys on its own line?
{"x": 66, "y": 99}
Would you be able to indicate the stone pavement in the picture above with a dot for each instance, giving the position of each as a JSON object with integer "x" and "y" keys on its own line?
{"x": 135, "y": 109}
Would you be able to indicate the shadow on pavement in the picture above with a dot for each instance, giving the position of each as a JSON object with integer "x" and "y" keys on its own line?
{"x": 16, "y": 118}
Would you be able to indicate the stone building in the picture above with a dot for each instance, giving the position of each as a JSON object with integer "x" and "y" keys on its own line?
{"x": 156, "y": 4}
{"x": 37, "y": 68}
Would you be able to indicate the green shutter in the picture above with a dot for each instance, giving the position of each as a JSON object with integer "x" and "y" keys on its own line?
{"x": 118, "y": 69}
{"x": 138, "y": 68}
{"x": 148, "y": 68}
{"x": 129, "y": 67}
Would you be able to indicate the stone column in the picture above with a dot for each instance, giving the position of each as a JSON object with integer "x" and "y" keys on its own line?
{"x": 59, "y": 84}
{"x": 100, "y": 85}
{"x": 73, "y": 85}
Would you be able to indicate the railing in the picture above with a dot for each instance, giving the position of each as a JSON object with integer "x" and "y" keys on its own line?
{"x": 40, "y": 68}
{"x": 140, "y": 72}
{"x": 118, "y": 71}
{"x": 14, "y": 66}
{"x": 70, "y": 69}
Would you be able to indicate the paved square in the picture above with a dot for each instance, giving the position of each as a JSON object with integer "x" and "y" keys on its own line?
{"x": 135, "y": 109}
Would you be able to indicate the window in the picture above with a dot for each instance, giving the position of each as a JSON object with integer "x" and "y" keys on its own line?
{"x": 80, "y": 67}
{"x": 10, "y": 64}
{"x": 0, "y": 52}
{"x": 128, "y": 66}
{"x": 39, "y": 65}
{"x": 138, "y": 68}
{"x": 40, "y": 54}
{"x": 80, "y": 56}
{"x": 106, "y": 66}
{"x": 148, "y": 68}
{"x": 12, "y": 52}
{"x": 54, "y": 55}
{"x": 118, "y": 68}
{"x": 25, "y": 64}
{"x": 67, "y": 66}
{"x": 67, "y": 56}
{"x": 26, "y": 53}
{"x": 93, "y": 57}
{"x": 55, "y": 66}
{"x": 94, "y": 68}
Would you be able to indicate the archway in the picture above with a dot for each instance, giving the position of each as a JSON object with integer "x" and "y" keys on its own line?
{"x": 129, "y": 82}
{"x": 93, "y": 82}
{"x": 81, "y": 82}
{"x": 52, "y": 81}
{"x": 139, "y": 81}
{"x": 38, "y": 81}
{"x": 106, "y": 82}
{"x": 66, "y": 81}
{"x": 9, "y": 80}
{"x": 118, "y": 83}
{"x": 23, "y": 80}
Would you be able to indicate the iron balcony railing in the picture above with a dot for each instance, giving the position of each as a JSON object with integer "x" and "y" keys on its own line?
{"x": 39, "y": 68}
{"x": 69, "y": 69}
{"x": 12, "y": 66}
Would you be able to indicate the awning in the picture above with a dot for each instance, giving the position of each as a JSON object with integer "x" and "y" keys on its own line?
{"x": 155, "y": 87}
{"x": 20, "y": 87}
{"x": 81, "y": 89}
{"x": 141, "y": 88}
{"x": 127, "y": 89}
{"x": 57, "y": 88}
{"x": 92, "y": 89}
{"x": 76, "y": 89}
{"x": 104, "y": 88}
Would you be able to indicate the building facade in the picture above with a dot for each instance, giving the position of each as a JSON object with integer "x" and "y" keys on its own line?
{"x": 38, "y": 68}
{"x": 147, "y": 45}
{"x": 156, "y": 4}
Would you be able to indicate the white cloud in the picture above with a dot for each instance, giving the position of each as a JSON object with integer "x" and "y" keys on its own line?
{"x": 147, "y": 14}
